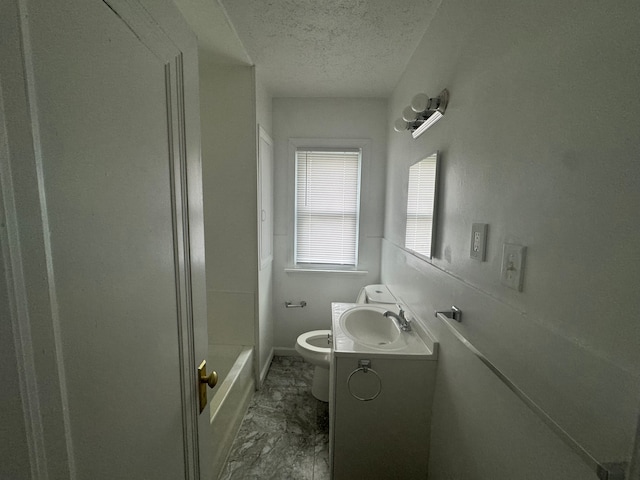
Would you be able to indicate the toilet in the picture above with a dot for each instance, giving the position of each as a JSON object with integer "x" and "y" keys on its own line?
{"x": 315, "y": 346}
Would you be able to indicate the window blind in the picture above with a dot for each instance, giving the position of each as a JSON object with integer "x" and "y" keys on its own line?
{"x": 327, "y": 206}
{"x": 420, "y": 201}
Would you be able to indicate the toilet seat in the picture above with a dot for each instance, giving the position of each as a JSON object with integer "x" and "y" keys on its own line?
{"x": 308, "y": 339}
{"x": 307, "y": 346}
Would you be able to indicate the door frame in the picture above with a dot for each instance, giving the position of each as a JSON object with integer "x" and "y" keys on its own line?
{"x": 26, "y": 248}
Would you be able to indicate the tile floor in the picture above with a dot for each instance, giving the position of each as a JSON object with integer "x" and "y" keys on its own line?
{"x": 285, "y": 433}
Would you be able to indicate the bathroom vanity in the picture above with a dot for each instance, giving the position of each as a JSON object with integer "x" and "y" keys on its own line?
{"x": 381, "y": 389}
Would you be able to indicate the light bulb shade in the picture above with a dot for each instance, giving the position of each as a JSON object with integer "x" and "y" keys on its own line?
{"x": 428, "y": 123}
{"x": 400, "y": 125}
{"x": 408, "y": 115}
{"x": 422, "y": 114}
{"x": 420, "y": 103}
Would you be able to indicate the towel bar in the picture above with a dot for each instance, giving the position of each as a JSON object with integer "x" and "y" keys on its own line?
{"x": 302, "y": 304}
{"x": 604, "y": 471}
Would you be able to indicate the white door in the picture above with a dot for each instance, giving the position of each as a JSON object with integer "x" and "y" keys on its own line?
{"x": 105, "y": 232}
{"x": 265, "y": 196}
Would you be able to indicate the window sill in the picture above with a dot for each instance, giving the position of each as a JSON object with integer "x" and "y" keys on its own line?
{"x": 342, "y": 271}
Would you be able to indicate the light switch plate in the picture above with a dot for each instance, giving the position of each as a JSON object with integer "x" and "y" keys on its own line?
{"x": 478, "y": 241}
{"x": 512, "y": 271}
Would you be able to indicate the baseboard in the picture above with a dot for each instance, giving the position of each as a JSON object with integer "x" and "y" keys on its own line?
{"x": 285, "y": 352}
{"x": 265, "y": 369}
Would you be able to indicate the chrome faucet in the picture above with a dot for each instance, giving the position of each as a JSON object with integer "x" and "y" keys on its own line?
{"x": 400, "y": 318}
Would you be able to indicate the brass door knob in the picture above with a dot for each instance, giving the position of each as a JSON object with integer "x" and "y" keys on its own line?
{"x": 211, "y": 379}
{"x": 203, "y": 381}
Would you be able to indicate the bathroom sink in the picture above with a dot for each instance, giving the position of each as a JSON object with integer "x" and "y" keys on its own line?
{"x": 367, "y": 325}
{"x": 362, "y": 329}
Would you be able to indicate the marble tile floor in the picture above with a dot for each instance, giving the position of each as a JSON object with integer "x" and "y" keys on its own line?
{"x": 285, "y": 433}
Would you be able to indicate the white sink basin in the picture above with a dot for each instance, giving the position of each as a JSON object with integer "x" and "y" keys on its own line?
{"x": 363, "y": 330}
{"x": 367, "y": 325}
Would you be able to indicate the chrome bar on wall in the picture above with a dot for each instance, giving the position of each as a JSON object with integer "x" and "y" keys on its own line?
{"x": 302, "y": 304}
{"x": 604, "y": 471}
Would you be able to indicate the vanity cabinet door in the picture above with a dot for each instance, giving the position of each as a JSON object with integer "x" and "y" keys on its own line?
{"x": 388, "y": 436}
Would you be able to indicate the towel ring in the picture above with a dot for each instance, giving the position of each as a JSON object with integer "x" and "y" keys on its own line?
{"x": 364, "y": 367}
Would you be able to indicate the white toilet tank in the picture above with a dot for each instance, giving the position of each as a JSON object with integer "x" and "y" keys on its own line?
{"x": 376, "y": 294}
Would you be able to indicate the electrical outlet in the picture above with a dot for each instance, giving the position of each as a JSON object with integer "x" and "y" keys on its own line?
{"x": 512, "y": 271}
{"x": 478, "y": 241}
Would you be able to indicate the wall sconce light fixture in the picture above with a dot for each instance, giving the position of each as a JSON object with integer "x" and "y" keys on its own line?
{"x": 423, "y": 113}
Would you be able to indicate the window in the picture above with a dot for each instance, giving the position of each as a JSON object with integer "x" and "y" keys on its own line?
{"x": 421, "y": 198}
{"x": 327, "y": 205}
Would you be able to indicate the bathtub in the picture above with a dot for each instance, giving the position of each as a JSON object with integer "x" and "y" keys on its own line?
{"x": 234, "y": 364}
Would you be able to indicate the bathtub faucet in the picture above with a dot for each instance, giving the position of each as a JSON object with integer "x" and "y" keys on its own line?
{"x": 401, "y": 319}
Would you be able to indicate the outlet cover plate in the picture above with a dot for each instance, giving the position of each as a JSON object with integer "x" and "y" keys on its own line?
{"x": 512, "y": 271}
{"x": 478, "y": 241}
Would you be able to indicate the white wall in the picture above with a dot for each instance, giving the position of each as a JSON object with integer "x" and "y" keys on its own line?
{"x": 540, "y": 141}
{"x": 233, "y": 102}
{"x": 264, "y": 106}
{"x": 228, "y": 117}
{"x": 264, "y": 114}
{"x": 324, "y": 118}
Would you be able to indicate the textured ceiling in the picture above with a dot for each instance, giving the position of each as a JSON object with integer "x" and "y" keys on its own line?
{"x": 330, "y": 48}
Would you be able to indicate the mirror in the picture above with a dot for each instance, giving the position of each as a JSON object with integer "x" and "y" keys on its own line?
{"x": 421, "y": 206}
